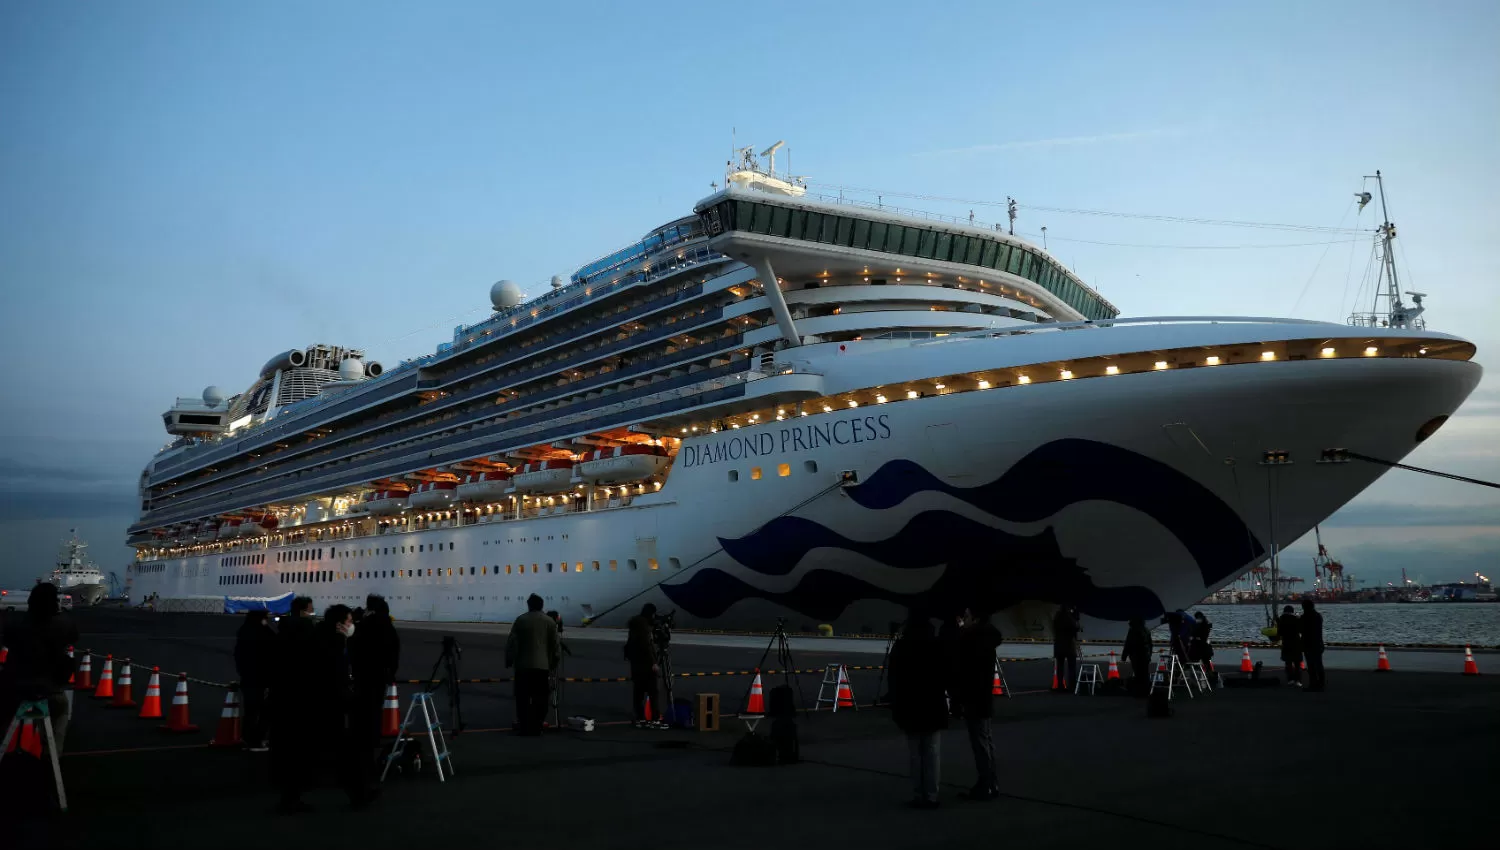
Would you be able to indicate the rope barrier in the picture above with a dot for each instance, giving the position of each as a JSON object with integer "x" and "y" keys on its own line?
{"x": 149, "y": 667}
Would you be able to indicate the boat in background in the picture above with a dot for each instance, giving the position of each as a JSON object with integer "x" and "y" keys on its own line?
{"x": 76, "y": 574}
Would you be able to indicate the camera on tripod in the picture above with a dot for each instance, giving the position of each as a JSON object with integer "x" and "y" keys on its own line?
{"x": 661, "y": 628}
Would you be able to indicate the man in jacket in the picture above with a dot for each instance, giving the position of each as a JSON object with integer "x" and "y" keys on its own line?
{"x": 1310, "y": 629}
{"x": 1138, "y": 653}
{"x": 297, "y": 697}
{"x": 640, "y": 651}
{"x": 374, "y": 653}
{"x": 255, "y": 662}
{"x": 1289, "y": 632}
{"x": 1065, "y": 630}
{"x": 534, "y": 650}
{"x": 975, "y": 685}
{"x": 39, "y": 666}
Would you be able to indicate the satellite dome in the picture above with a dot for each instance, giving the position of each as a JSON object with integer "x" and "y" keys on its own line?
{"x": 505, "y": 294}
{"x": 351, "y": 369}
{"x": 213, "y": 396}
{"x": 558, "y": 281}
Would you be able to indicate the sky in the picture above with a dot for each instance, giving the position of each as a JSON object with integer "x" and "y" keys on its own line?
{"x": 191, "y": 187}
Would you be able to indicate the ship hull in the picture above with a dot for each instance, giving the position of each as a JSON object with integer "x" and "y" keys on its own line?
{"x": 1125, "y": 495}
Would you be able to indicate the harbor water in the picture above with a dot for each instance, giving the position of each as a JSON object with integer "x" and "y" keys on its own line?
{"x": 1392, "y": 623}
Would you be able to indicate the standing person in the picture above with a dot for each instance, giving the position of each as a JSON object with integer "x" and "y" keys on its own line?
{"x": 333, "y": 712}
{"x": 1065, "y": 631}
{"x": 917, "y": 705}
{"x": 1138, "y": 652}
{"x": 534, "y": 650}
{"x": 976, "y": 688}
{"x": 640, "y": 651}
{"x": 374, "y": 655}
{"x": 1310, "y": 629}
{"x": 295, "y": 697}
{"x": 1200, "y": 649}
{"x": 1289, "y": 631}
{"x": 255, "y": 663}
{"x": 38, "y": 666}
{"x": 950, "y": 639}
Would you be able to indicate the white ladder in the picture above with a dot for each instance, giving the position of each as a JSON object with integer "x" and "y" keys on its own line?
{"x": 1004, "y": 685}
{"x": 1170, "y": 675}
{"x": 833, "y": 677}
{"x": 29, "y": 713}
{"x": 1087, "y": 674}
{"x": 1200, "y": 678}
{"x": 428, "y": 717}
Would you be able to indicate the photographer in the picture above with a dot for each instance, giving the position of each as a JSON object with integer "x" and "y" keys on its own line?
{"x": 641, "y": 652}
{"x": 534, "y": 649}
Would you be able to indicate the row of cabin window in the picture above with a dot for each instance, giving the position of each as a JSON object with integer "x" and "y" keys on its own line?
{"x": 782, "y": 470}
{"x": 150, "y": 568}
{"x": 242, "y": 560}
{"x": 911, "y": 241}
{"x": 248, "y": 578}
{"x": 441, "y": 572}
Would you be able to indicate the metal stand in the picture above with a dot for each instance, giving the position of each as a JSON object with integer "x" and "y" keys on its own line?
{"x": 667, "y": 713}
{"x": 31, "y": 712}
{"x": 1170, "y": 675}
{"x": 448, "y": 662}
{"x": 837, "y": 677}
{"x": 784, "y": 660}
{"x": 886, "y": 664}
{"x": 428, "y": 718}
{"x": 1199, "y": 677}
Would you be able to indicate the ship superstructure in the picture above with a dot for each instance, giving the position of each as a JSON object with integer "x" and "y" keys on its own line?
{"x": 787, "y": 405}
{"x": 75, "y": 574}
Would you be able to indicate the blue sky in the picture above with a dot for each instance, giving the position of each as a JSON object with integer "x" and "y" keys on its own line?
{"x": 193, "y": 186}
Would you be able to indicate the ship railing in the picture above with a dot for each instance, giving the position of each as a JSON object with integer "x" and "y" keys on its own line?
{"x": 1095, "y": 324}
{"x": 906, "y": 211}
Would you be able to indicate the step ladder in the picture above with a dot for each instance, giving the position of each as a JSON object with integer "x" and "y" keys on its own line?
{"x": 1088, "y": 674}
{"x": 425, "y": 714}
{"x": 1004, "y": 685}
{"x": 1199, "y": 677}
{"x": 834, "y": 678}
{"x": 28, "y": 715}
{"x": 1170, "y": 675}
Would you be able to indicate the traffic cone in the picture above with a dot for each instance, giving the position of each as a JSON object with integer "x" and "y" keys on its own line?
{"x": 646, "y": 709}
{"x": 4, "y": 655}
{"x": 846, "y": 694}
{"x": 106, "y": 687}
{"x": 1114, "y": 669}
{"x": 757, "y": 702}
{"x": 1383, "y": 664}
{"x": 228, "y": 734}
{"x": 26, "y": 740}
{"x": 74, "y": 674}
{"x": 177, "y": 717}
{"x": 1304, "y": 664}
{"x": 390, "y": 713}
{"x": 1245, "y": 665}
{"x": 997, "y": 689}
{"x": 1055, "y": 685}
{"x": 85, "y": 681}
{"x": 151, "y": 702}
{"x": 1470, "y": 668}
{"x": 122, "y": 693}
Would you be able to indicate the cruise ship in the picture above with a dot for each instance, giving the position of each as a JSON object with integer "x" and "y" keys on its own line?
{"x": 787, "y": 407}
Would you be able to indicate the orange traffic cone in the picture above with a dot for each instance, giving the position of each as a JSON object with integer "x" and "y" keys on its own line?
{"x": 1055, "y": 685}
{"x": 122, "y": 693}
{"x": 151, "y": 702}
{"x": 646, "y": 709}
{"x": 757, "y": 702}
{"x": 1245, "y": 665}
{"x": 846, "y": 694}
{"x": 4, "y": 655}
{"x": 390, "y": 713}
{"x": 1470, "y": 668}
{"x": 228, "y": 734}
{"x": 997, "y": 689}
{"x": 74, "y": 674}
{"x": 1114, "y": 669}
{"x": 27, "y": 740}
{"x": 106, "y": 686}
{"x": 177, "y": 717}
{"x": 1304, "y": 664}
{"x": 85, "y": 680}
{"x": 1383, "y": 664}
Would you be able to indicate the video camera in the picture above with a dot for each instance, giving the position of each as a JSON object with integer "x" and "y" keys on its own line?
{"x": 661, "y": 628}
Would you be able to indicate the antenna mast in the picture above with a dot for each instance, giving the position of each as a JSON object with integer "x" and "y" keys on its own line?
{"x": 1397, "y": 314}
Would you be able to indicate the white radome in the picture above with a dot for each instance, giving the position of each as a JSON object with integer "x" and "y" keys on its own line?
{"x": 213, "y": 396}
{"x": 351, "y": 369}
{"x": 505, "y": 294}
{"x": 558, "y": 281}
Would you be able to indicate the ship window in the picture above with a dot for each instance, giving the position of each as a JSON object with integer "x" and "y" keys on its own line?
{"x": 471, "y": 570}
{"x": 760, "y": 220}
{"x": 909, "y": 241}
{"x": 810, "y": 465}
{"x": 846, "y": 231}
{"x": 734, "y": 475}
{"x": 613, "y": 565}
{"x": 784, "y": 469}
{"x": 596, "y": 566}
{"x": 549, "y": 566}
{"x": 877, "y": 235}
{"x": 861, "y": 233}
{"x": 630, "y": 562}
{"x": 533, "y": 568}
{"x": 976, "y": 250}
{"x": 798, "y": 224}
{"x": 893, "y": 234}
{"x": 1013, "y": 260}
{"x": 676, "y": 564}
{"x": 651, "y": 563}
{"x": 780, "y": 218}
{"x": 927, "y": 244}
{"x": 507, "y": 570}
{"x": 944, "y": 246}
{"x": 755, "y": 473}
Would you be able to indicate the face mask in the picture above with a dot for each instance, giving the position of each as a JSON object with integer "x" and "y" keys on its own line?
{"x": 346, "y": 629}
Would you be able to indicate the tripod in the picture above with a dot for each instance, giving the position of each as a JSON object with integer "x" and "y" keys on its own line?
{"x": 448, "y": 662}
{"x": 886, "y": 665}
{"x": 668, "y": 712}
{"x": 784, "y": 660}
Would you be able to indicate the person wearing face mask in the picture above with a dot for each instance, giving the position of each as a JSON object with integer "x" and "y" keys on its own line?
{"x": 335, "y": 715}
{"x": 374, "y": 653}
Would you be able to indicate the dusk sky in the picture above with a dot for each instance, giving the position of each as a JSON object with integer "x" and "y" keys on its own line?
{"x": 191, "y": 187}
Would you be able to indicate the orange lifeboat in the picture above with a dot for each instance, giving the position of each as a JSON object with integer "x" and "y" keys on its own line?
{"x": 544, "y": 476}
{"x": 229, "y": 528}
{"x": 620, "y": 464}
{"x": 386, "y": 502}
{"x": 433, "y": 495}
{"x": 484, "y": 486}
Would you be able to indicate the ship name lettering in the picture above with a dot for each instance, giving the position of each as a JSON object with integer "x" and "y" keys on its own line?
{"x": 793, "y": 438}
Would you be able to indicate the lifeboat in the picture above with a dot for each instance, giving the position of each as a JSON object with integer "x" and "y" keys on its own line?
{"x": 386, "y": 502}
{"x": 544, "y": 476}
{"x": 207, "y": 531}
{"x": 270, "y": 522}
{"x": 484, "y": 487}
{"x": 229, "y": 528}
{"x": 433, "y": 494}
{"x": 251, "y": 526}
{"x": 620, "y": 464}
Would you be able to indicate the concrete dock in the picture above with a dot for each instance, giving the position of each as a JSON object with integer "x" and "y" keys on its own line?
{"x": 1393, "y": 760}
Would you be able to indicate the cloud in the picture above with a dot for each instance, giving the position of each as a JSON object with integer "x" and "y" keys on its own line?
{"x": 36, "y": 505}
{"x": 1426, "y": 516}
{"x": 1060, "y": 142}
{"x": 14, "y": 470}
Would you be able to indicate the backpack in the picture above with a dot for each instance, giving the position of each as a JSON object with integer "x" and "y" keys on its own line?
{"x": 781, "y": 703}
{"x": 754, "y": 751}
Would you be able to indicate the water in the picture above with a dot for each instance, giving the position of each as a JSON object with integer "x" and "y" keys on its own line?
{"x": 1391, "y": 623}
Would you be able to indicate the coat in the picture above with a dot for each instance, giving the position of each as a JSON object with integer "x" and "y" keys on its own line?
{"x": 1138, "y": 646}
{"x": 38, "y": 664}
{"x": 917, "y": 702}
{"x": 1289, "y": 631}
{"x": 975, "y": 680}
{"x": 374, "y": 653}
{"x": 533, "y": 643}
{"x": 640, "y": 643}
{"x": 1065, "y": 631}
{"x": 1310, "y": 629}
{"x": 255, "y": 655}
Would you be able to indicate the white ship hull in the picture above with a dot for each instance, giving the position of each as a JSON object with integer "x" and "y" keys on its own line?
{"x": 1124, "y": 495}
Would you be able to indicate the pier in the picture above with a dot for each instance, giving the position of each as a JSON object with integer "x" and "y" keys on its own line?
{"x": 1393, "y": 760}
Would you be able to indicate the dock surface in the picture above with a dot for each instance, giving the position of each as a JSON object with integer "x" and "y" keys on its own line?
{"x": 1399, "y": 759}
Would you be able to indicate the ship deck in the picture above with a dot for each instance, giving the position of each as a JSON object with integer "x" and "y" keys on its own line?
{"x": 1075, "y": 771}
